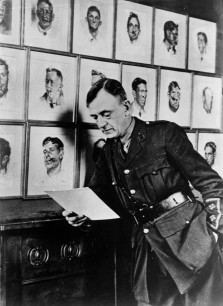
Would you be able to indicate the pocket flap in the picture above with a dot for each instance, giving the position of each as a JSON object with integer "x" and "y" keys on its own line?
{"x": 153, "y": 167}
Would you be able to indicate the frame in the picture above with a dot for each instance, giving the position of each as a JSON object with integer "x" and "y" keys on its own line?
{"x": 93, "y": 27}
{"x": 11, "y": 155}
{"x": 175, "y": 97}
{"x": 53, "y": 96}
{"x": 50, "y": 167}
{"x": 134, "y": 32}
{"x": 202, "y": 45}
{"x": 109, "y": 70}
{"x": 170, "y": 39}
{"x": 12, "y": 66}
{"x": 88, "y": 159}
{"x": 210, "y": 146}
{"x": 129, "y": 74}
{"x": 207, "y": 102}
{"x": 47, "y": 34}
{"x": 10, "y": 22}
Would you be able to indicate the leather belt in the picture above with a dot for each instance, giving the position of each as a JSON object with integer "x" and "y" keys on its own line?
{"x": 148, "y": 212}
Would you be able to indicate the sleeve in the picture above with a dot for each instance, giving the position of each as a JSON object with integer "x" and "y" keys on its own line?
{"x": 198, "y": 172}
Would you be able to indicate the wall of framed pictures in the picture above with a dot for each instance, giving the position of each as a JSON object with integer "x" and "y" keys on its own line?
{"x": 47, "y": 66}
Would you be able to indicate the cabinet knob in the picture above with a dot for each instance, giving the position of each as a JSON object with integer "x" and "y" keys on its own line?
{"x": 70, "y": 250}
{"x": 38, "y": 256}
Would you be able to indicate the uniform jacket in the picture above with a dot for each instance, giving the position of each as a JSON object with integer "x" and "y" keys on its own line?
{"x": 160, "y": 161}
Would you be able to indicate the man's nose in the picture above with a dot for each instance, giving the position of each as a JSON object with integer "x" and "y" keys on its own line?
{"x": 101, "y": 122}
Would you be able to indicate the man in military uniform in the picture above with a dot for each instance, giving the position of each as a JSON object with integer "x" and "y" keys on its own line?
{"x": 176, "y": 257}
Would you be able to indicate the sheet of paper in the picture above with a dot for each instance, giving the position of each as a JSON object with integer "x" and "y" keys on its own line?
{"x": 83, "y": 201}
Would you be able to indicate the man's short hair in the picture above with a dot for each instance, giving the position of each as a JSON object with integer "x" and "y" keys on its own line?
{"x": 212, "y": 145}
{"x": 45, "y": 1}
{"x": 169, "y": 25}
{"x": 136, "y": 82}
{"x": 3, "y": 63}
{"x": 204, "y": 35}
{"x": 5, "y": 148}
{"x": 58, "y": 72}
{"x": 132, "y": 15}
{"x": 95, "y": 72}
{"x": 111, "y": 86}
{"x": 54, "y": 140}
{"x": 172, "y": 85}
{"x": 92, "y": 9}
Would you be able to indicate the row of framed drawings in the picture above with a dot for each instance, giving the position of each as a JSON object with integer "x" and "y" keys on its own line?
{"x": 164, "y": 41}
{"x": 51, "y": 158}
{"x": 47, "y": 89}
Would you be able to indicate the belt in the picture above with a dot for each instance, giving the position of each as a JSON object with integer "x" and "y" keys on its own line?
{"x": 149, "y": 212}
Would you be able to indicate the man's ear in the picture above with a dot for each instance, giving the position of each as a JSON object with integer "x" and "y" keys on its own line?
{"x": 127, "y": 105}
{"x": 134, "y": 94}
{"x": 61, "y": 153}
{"x": 5, "y": 160}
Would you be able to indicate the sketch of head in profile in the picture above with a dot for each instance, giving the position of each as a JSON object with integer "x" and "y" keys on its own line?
{"x": 5, "y": 17}
{"x": 45, "y": 15}
{"x": 174, "y": 96}
{"x": 4, "y": 78}
{"x": 94, "y": 22}
{"x": 5, "y": 153}
{"x": 133, "y": 27}
{"x": 207, "y": 97}
{"x": 170, "y": 29}
{"x": 53, "y": 151}
{"x": 210, "y": 152}
{"x": 202, "y": 42}
{"x": 96, "y": 76}
{"x": 53, "y": 84}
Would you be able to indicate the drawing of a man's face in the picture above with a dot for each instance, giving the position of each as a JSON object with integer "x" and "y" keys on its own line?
{"x": 93, "y": 19}
{"x": 4, "y": 78}
{"x": 53, "y": 83}
{"x": 5, "y": 152}
{"x": 202, "y": 42}
{"x": 141, "y": 95}
{"x": 207, "y": 99}
{"x": 174, "y": 96}
{"x": 2, "y": 9}
{"x": 53, "y": 150}
{"x": 171, "y": 35}
{"x": 45, "y": 13}
{"x": 133, "y": 27}
{"x": 210, "y": 152}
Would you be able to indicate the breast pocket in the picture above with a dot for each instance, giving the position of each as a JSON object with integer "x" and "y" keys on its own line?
{"x": 154, "y": 177}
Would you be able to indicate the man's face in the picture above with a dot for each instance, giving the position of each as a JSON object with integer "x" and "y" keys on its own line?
{"x": 53, "y": 84}
{"x": 208, "y": 97}
{"x": 209, "y": 155}
{"x": 172, "y": 37}
{"x": 174, "y": 98}
{"x": 133, "y": 29}
{"x": 2, "y": 9}
{"x": 3, "y": 80}
{"x": 93, "y": 20}
{"x": 52, "y": 156}
{"x": 45, "y": 15}
{"x": 201, "y": 43}
{"x": 140, "y": 95}
{"x": 109, "y": 114}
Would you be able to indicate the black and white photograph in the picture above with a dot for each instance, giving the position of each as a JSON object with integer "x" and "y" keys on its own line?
{"x": 93, "y": 27}
{"x": 51, "y": 159}
{"x": 210, "y": 146}
{"x": 52, "y": 87}
{"x": 12, "y": 83}
{"x": 175, "y": 97}
{"x": 11, "y": 160}
{"x": 134, "y": 32}
{"x": 207, "y": 102}
{"x": 10, "y": 21}
{"x": 140, "y": 86}
{"x": 202, "y": 45}
{"x": 170, "y": 39}
{"x": 47, "y": 24}
{"x": 90, "y": 72}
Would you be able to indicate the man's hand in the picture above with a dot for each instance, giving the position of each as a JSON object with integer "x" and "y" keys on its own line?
{"x": 77, "y": 220}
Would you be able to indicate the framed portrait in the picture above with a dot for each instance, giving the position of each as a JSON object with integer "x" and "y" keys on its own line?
{"x": 207, "y": 102}
{"x": 202, "y": 45}
{"x": 52, "y": 87}
{"x": 51, "y": 159}
{"x": 210, "y": 146}
{"x": 11, "y": 163}
{"x": 170, "y": 39}
{"x": 10, "y": 21}
{"x": 140, "y": 86}
{"x": 175, "y": 97}
{"x": 90, "y": 72}
{"x": 92, "y": 141}
{"x": 12, "y": 80}
{"x": 134, "y": 32}
{"x": 47, "y": 24}
{"x": 93, "y": 27}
